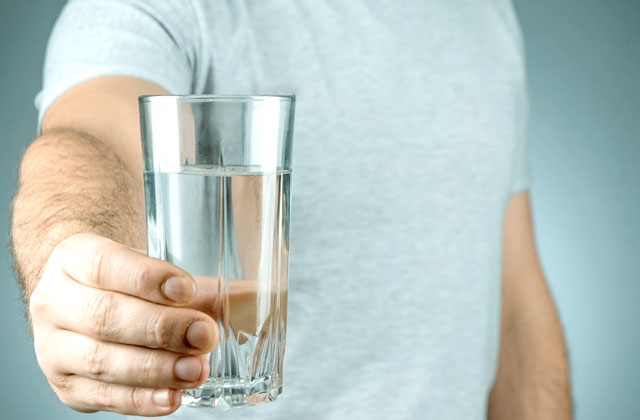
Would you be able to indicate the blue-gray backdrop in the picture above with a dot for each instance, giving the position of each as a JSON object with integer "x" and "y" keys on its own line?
{"x": 584, "y": 77}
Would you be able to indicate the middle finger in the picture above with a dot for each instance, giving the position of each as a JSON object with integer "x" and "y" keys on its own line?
{"x": 120, "y": 318}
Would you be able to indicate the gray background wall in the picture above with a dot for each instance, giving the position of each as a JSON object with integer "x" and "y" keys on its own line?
{"x": 584, "y": 74}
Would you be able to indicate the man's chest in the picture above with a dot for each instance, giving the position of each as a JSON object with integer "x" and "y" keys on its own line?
{"x": 401, "y": 115}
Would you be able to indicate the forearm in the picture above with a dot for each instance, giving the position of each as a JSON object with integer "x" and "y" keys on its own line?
{"x": 69, "y": 183}
{"x": 532, "y": 381}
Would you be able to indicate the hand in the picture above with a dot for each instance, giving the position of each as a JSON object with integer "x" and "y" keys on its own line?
{"x": 112, "y": 330}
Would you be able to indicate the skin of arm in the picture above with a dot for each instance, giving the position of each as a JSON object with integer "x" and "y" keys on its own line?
{"x": 78, "y": 235}
{"x": 532, "y": 381}
{"x": 83, "y": 174}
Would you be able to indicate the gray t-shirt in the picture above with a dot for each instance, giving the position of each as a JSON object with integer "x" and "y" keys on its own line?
{"x": 409, "y": 141}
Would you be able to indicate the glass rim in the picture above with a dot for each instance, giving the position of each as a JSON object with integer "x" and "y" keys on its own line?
{"x": 216, "y": 98}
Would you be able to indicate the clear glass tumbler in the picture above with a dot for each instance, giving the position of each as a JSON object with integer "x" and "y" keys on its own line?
{"x": 217, "y": 180}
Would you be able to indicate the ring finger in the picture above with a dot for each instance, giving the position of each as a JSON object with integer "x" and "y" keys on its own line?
{"x": 124, "y": 364}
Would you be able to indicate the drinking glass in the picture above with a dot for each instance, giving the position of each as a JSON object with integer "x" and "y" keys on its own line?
{"x": 217, "y": 182}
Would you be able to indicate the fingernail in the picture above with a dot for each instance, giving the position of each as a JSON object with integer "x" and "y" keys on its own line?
{"x": 188, "y": 369}
{"x": 179, "y": 289}
{"x": 198, "y": 334}
{"x": 161, "y": 397}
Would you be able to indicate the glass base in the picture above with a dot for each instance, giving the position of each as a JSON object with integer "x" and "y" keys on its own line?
{"x": 225, "y": 394}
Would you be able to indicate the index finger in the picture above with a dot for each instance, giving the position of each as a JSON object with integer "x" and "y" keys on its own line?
{"x": 101, "y": 263}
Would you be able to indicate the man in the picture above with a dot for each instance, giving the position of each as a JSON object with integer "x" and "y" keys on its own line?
{"x": 415, "y": 288}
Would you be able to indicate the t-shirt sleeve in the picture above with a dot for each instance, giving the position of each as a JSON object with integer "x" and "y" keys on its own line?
{"x": 150, "y": 39}
{"x": 521, "y": 172}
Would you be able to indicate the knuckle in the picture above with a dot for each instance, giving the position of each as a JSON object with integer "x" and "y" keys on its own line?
{"x": 97, "y": 262}
{"x": 141, "y": 277}
{"x": 100, "y": 310}
{"x": 137, "y": 398}
{"x": 94, "y": 359}
{"x": 37, "y": 304}
{"x": 63, "y": 387}
{"x": 103, "y": 396}
{"x": 45, "y": 293}
{"x": 62, "y": 384}
{"x": 151, "y": 368}
{"x": 68, "y": 394}
{"x": 162, "y": 331}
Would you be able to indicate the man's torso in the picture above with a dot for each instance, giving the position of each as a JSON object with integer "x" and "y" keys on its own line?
{"x": 409, "y": 131}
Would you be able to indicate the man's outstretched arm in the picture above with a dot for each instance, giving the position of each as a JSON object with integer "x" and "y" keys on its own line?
{"x": 76, "y": 216}
{"x": 532, "y": 381}
{"x": 82, "y": 174}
